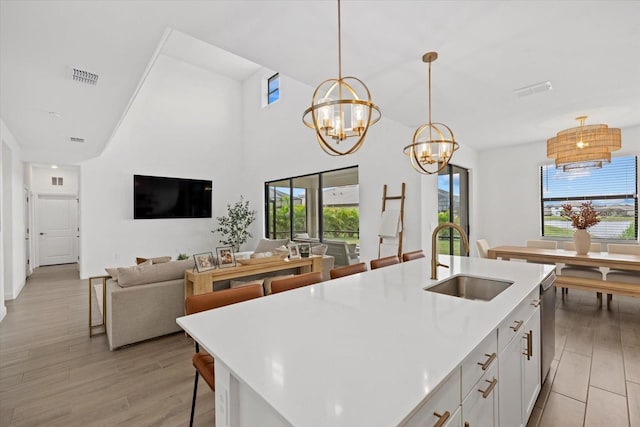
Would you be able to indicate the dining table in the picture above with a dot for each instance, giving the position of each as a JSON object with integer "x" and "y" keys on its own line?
{"x": 629, "y": 262}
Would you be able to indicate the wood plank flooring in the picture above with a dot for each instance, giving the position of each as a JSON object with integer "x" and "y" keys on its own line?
{"x": 595, "y": 376}
{"x": 53, "y": 374}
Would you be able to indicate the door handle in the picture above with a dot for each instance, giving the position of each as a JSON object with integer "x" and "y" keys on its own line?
{"x": 42, "y": 234}
{"x": 517, "y": 326}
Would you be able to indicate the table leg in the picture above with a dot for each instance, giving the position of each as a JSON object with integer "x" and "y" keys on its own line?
{"x": 104, "y": 306}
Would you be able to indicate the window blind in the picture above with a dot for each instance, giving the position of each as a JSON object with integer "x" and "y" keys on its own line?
{"x": 612, "y": 190}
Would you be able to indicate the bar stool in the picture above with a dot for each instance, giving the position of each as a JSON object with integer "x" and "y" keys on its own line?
{"x": 408, "y": 256}
{"x": 203, "y": 361}
{"x": 384, "y": 262}
{"x": 296, "y": 281}
{"x": 348, "y": 270}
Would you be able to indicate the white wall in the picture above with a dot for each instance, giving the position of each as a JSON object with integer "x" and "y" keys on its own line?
{"x": 509, "y": 189}
{"x": 278, "y": 145}
{"x": 13, "y": 274}
{"x": 41, "y": 180}
{"x": 186, "y": 122}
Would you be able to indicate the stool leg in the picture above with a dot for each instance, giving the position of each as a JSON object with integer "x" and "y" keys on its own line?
{"x": 193, "y": 402}
{"x": 609, "y": 299}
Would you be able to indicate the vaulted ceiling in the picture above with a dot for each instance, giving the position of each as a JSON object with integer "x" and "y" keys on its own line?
{"x": 488, "y": 49}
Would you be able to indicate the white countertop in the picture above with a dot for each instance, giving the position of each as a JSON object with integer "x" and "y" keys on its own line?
{"x": 362, "y": 350}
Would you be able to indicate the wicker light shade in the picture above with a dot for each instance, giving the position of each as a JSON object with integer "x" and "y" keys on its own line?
{"x": 584, "y": 146}
{"x": 341, "y": 111}
{"x": 433, "y": 143}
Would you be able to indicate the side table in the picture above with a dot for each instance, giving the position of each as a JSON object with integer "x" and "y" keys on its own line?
{"x": 104, "y": 305}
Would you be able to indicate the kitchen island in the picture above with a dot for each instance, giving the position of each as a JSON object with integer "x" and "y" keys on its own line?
{"x": 365, "y": 350}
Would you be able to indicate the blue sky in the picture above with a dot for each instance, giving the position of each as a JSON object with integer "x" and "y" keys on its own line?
{"x": 443, "y": 183}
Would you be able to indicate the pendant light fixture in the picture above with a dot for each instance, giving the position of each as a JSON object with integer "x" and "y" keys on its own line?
{"x": 433, "y": 143}
{"x": 583, "y": 147}
{"x": 341, "y": 111}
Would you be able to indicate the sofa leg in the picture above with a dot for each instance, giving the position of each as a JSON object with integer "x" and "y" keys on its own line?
{"x": 193, "y": 402}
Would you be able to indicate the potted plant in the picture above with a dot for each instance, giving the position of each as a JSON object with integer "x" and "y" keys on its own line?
{"x": 233, "y": 227}
{"x": 585, "y": 217}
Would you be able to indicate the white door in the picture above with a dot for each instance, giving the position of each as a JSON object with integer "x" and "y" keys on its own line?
{"x": 58, "y": 229}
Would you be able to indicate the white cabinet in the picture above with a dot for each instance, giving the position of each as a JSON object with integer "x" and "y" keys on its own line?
{"x": 439, "y": 409}
{"x": 519, "y": 362}
{"x": 531, "y": 364}
{"x": 480, "y": 407}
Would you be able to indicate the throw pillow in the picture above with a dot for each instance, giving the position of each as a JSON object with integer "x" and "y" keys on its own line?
{"x": 268, "y": 245}
{"x": 143, "y": 274}
{"x": 113, "y": 272}
{"x": 160, "y": 259}
{"x": 241, "y": 283}
{"x": 267, "y": 282}
{"x": 319, "y": 249}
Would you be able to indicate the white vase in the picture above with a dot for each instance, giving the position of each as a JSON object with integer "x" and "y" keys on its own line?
{"x": 582, "y": 241}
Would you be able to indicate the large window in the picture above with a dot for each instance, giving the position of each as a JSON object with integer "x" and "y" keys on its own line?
{"x": 321, "y": 206}
{"x": 612, "y": 190}
{"x": 453, "y": 206}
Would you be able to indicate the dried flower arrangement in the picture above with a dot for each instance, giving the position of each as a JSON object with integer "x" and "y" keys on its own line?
{"x": 582, "y": 219}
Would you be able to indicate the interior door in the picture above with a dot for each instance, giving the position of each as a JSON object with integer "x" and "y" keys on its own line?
{"x": 58, "y": 230}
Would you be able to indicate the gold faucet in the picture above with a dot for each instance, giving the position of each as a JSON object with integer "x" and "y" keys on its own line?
{"x": 434, "y": 256}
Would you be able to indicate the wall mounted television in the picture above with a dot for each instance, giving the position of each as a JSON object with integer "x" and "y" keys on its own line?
{"x": 157, "y": 197}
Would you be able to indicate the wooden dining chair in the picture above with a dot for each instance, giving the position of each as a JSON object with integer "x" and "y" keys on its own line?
{"x": 203, "y": 361}
{"x": 483, "y": 248}
{"x": 296, "y": 281}
{"x": 347, "y": 270}
{"x": 621, "y": 275}
{"x": 579, "y": 270}
{"x": 384, "y": 262}
{"x": 409, "y": 256}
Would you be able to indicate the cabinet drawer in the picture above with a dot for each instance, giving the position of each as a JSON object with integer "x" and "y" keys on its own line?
{"x": 440, "y": 407}
{"x": 483, "y": 357}
{"x": 513, "y": 323}
{"x": 480, "y": 408}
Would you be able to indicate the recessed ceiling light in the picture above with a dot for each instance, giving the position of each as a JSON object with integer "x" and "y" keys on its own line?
{"x": 54, "y": 166}
{"x": 76, "y": 139}
{"x": 54, "y": 114}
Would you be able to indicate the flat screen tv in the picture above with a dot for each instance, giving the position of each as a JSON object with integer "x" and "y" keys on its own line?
{"x": 160, "y": 197}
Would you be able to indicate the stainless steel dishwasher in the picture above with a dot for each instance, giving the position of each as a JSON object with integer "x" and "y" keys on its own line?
{"x": 547, "y": 323}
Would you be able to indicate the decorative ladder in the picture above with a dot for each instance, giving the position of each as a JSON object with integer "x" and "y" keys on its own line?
{"x": 401, "y": 197}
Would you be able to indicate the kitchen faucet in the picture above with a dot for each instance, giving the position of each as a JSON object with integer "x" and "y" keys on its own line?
{"x": 434, "y": 256}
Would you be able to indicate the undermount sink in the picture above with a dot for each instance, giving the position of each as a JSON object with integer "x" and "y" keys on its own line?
{"x": 470, "y": 287}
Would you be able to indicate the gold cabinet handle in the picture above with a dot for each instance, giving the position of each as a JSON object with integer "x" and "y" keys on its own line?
{"x": 517, "y": 326}
{"x": 535, "y": 303}
{"x": 485, "y": 365}
{"x": 487, "y": 392}
{"x": 529, "y": 337}
{"x": 441, "y": 418}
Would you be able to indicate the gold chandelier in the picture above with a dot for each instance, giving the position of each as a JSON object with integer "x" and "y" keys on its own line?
{"x": 583, "y": 146}
{"x": 433, "y": 143}
{"x": 339, "y": 115}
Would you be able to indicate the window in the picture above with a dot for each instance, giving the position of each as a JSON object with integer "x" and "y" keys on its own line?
{"x": 612, "y": 190}
{"x": 453, "y": 206}
{"x": 273, "y": 88}
{"x": 321, "y": 206}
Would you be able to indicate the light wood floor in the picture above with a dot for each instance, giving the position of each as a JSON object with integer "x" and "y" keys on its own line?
{"x": 595, "y": 377}
{"x": 52, "y": 374}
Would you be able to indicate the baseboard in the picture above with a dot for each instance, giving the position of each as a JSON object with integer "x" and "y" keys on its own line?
{"x": 3, "y": 312}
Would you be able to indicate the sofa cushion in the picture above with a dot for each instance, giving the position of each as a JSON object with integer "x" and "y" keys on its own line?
{"x": 143, "y": 274}
{"x": 318, "y": 249}
{"x": 268, "y": 245}
{"x": 160, "y": 259}
{"x": 113, "y": 272}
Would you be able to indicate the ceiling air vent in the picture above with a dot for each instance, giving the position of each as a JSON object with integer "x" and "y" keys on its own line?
{"x": 533, "y": 89}
{"x": 82, "y": 76}
{"x": 76, "y": 139}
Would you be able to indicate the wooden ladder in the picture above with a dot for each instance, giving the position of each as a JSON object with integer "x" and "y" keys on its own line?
{"x": 401, "y": 197}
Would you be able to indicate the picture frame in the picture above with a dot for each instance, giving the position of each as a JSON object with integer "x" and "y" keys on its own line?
{"x": 226, "y": 257}
{"x": 304, "y": 249}
{"x": 204, "y": 261}
{"x": 294, "y": 251}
